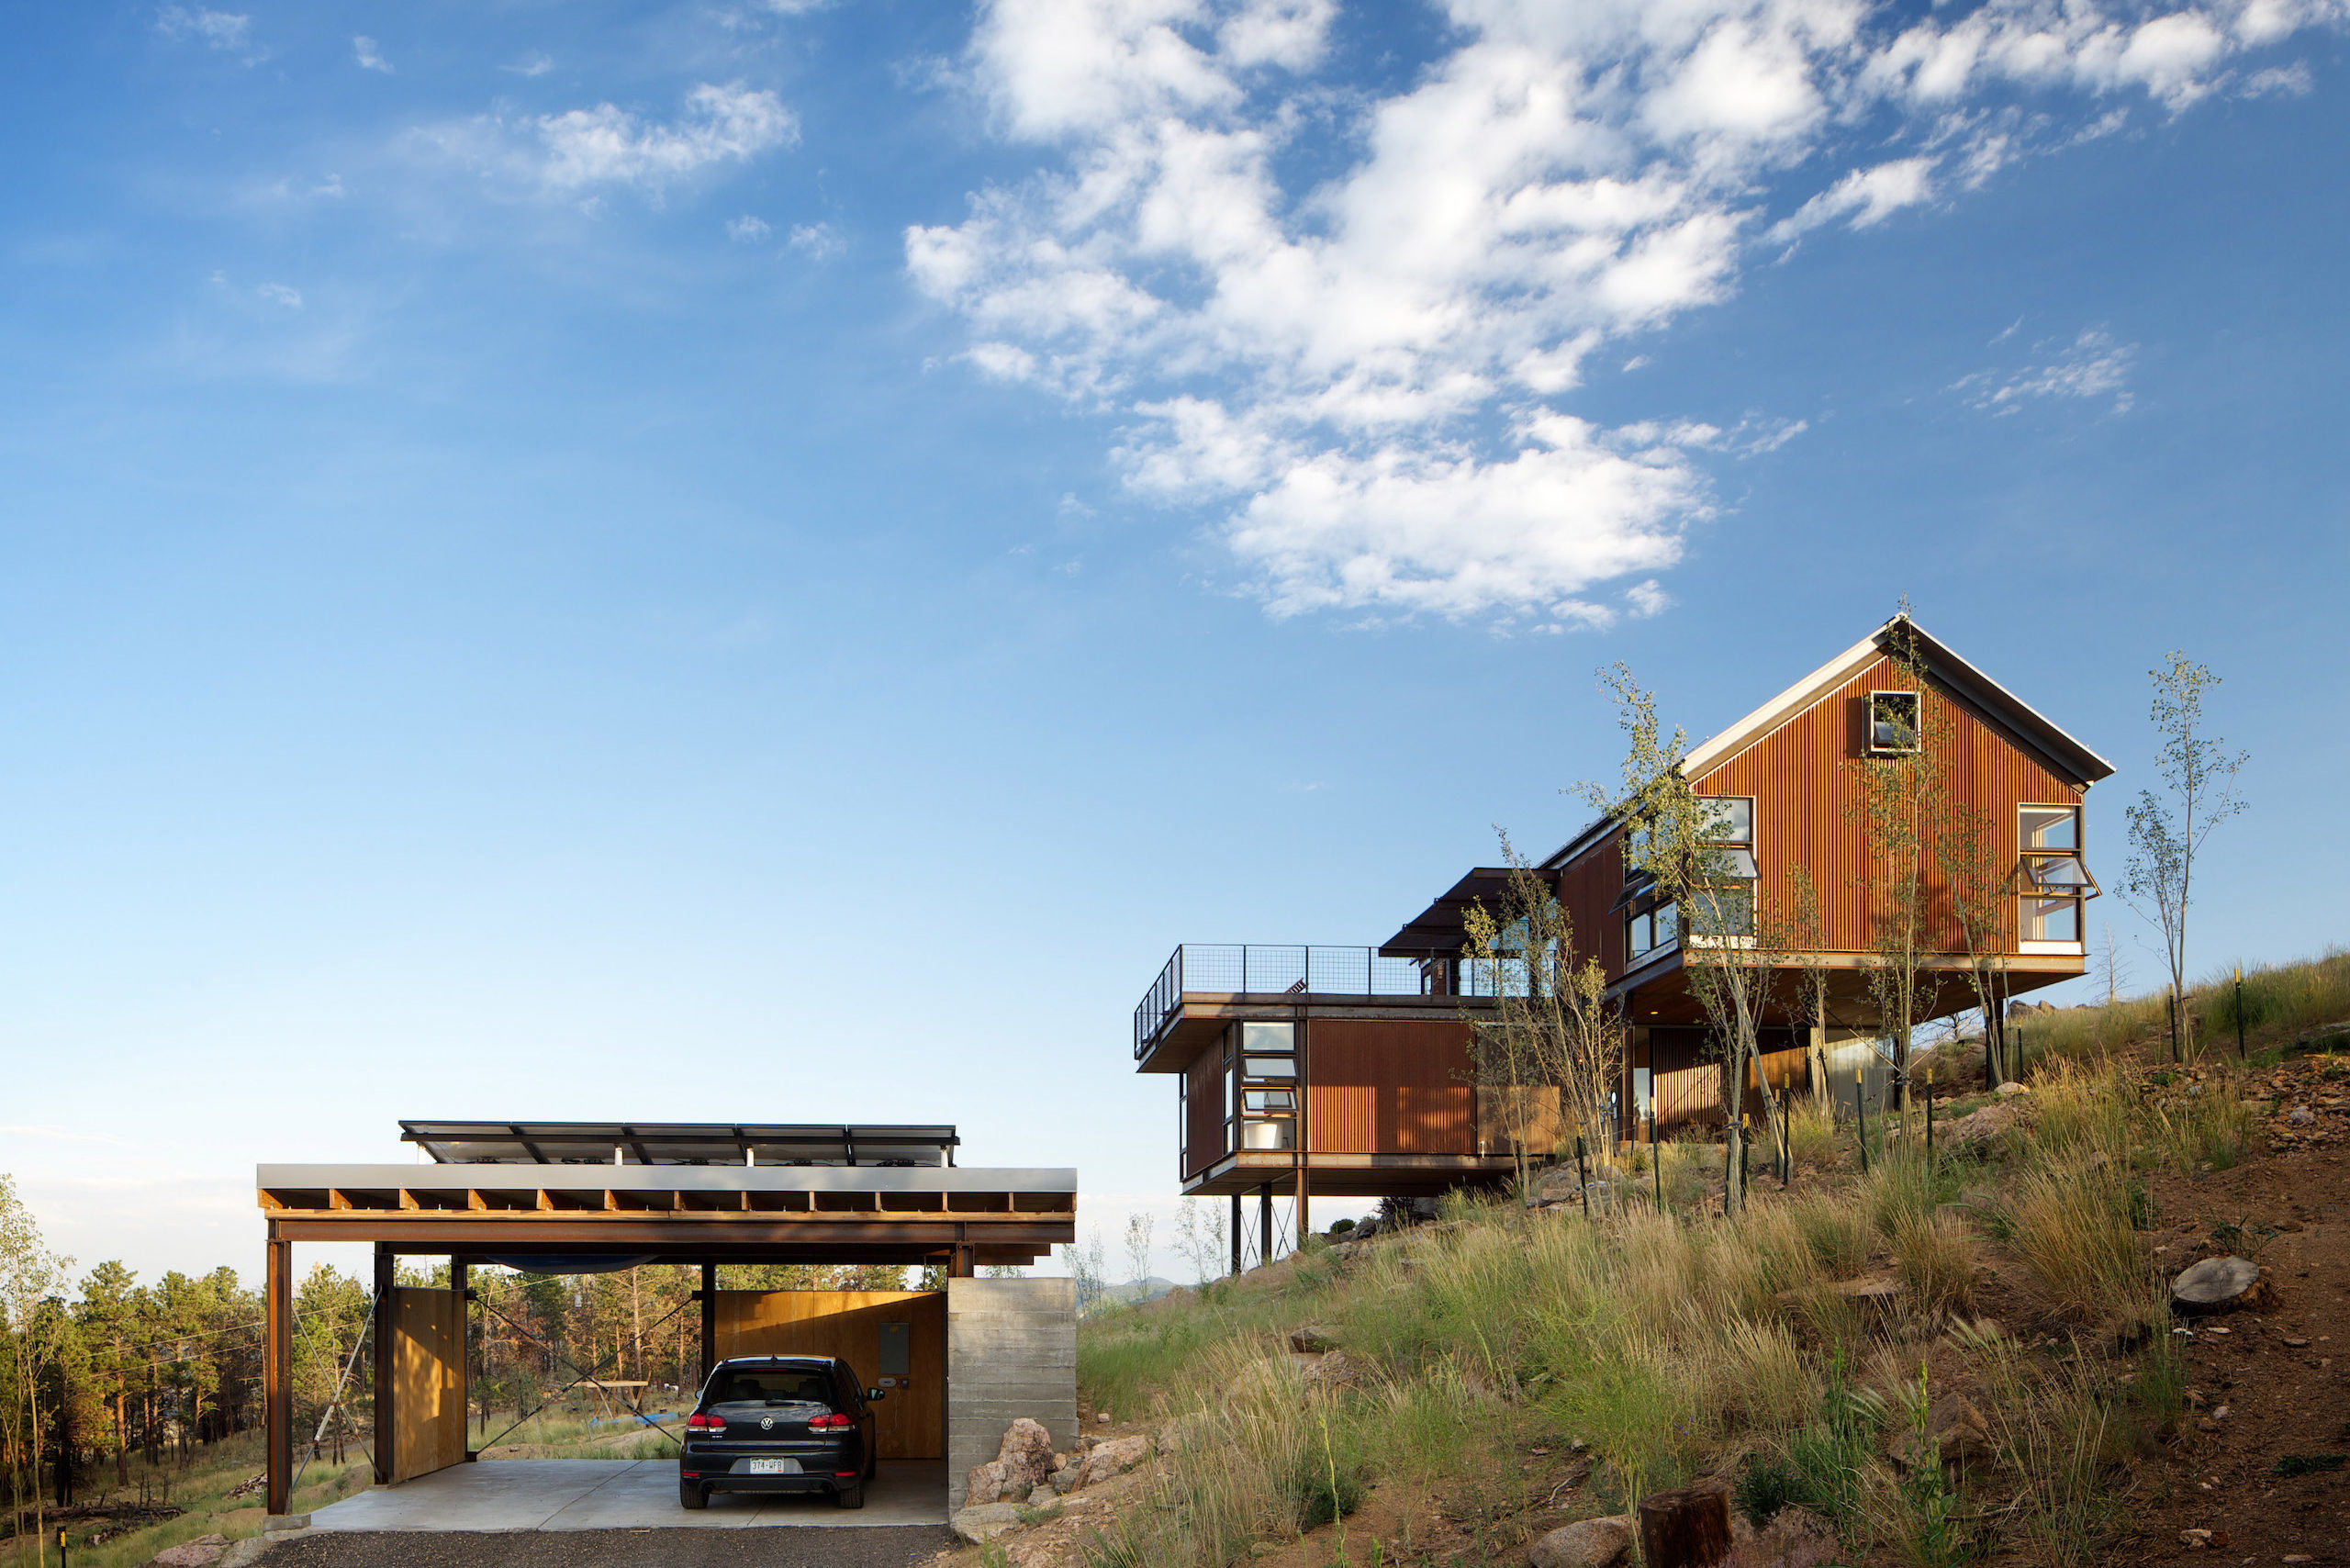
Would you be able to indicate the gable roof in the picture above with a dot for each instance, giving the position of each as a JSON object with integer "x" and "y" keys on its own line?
{"x": 2059, "y": 750}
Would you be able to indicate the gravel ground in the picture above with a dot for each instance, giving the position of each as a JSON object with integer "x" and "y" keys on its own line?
{"x": 811, "y": 1546}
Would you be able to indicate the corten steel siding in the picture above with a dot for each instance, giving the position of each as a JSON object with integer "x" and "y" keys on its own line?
{"x": 1204, "y": 1088}
{"x": 1688, "y": 1088}
{"x": 1587, "y": 891}
{"x": 1801, "y": 778}
{"x": 1390, "y": 1086}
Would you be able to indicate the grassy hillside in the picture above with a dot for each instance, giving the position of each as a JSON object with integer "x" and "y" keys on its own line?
{"x": 1959, "y": 1356}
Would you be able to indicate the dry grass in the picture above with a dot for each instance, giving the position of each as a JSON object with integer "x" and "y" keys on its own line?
{"x": 2071, "y": 1229}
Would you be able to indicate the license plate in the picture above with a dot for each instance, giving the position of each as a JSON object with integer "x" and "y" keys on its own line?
{"x": 775, "y": 1467}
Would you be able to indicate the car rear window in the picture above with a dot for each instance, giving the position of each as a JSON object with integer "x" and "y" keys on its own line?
{"x": 772, "y": 1385}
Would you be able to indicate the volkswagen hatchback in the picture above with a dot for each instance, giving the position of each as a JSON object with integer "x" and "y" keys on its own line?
{"x": 779, "y": 1424}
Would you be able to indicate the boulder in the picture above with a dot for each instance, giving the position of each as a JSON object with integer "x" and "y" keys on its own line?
{"x": 1336, "y": 1369}
{"x": 1312, "y": 1340}
{"x": 1587, "y": 1544}
{"x": 202, "y": 1552}
{"x": 1796, "y": 1538}
{"x": 979, "y": 1525}
{"x": 2011, "y": 1087}
{"x": 1114, "y": 1457}
{"x": 2220, "y": 1284}
{"x": 985, "y": 1484}
{"x": 1043, "y": 1497}
{"x": 250, "y": 1551}
{"x": 1069, "y": 1478}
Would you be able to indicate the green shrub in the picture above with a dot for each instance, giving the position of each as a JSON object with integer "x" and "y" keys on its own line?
{"x": 2308, "y": 1463}
{"x": 1324, "y": 1492}
{"x": 1765, "y": 1486}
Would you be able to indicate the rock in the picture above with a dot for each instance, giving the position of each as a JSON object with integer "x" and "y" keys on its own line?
{"x": 1796, "y": 1538}
{"x": 202, "y": 1552}
{"x": 1312, "y": 1342}
{"x": 1336, "y": 1369}
{"x": 2301, "y": 1116}
{"x": 1964, "y": 1436}
{"x": 1101, "y": 1418}
{"x": 2012, "y": 1087}
{"x": 2220, "y": 1284}
{"x": 2195, "y": 1539}
{"x": 1043, "y": 1496}
{"x": 982, "y": 1524}
{"x": 1115, "y": 1458}
{"x": 985, "y": 1484}
{"x": 1069, "y": 1478}
{"x": 251, "y": 1549}
{"x": 1588, "y": 1544}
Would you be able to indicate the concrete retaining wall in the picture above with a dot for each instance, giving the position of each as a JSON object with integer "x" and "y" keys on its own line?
{"x": 1011, "y": 1351}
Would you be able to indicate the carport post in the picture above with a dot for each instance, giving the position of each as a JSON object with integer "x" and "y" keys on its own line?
{"x": 1264, "y": 1225}
{"x": 709, "y": 1318}
{"x": 1236, "y": 1233}
{"x": 277, "y": 1369}
{"x": 464, "y": 1356}
{"x": 386, "y": 1336}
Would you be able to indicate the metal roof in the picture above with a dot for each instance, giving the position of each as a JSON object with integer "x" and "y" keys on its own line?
{"x": 679, "y": 1143}
{"x": 1439, "y": 930}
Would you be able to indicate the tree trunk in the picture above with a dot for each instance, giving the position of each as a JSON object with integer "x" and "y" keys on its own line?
{"x": 1686, "y": 1528}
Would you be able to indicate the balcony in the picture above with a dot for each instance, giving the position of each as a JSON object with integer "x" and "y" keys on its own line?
{"x": 1223, "y": 970}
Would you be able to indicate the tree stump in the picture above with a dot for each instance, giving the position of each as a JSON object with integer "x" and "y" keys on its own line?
{"x": 1686, "y": 1528}
{"x": 2220, "y": 1284}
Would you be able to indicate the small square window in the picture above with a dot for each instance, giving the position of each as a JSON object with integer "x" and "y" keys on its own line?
{"x": 1726, "y": 819}
{"x": 1894, "y": 724}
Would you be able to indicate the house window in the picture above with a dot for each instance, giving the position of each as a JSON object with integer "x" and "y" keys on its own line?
{"x": 1654, "y": 924}
{"x": 2052, "y": 879}
{"x": 1268, "y": 1096}
{"x": 1895, "y": 724}
{"x": 1725, "y": 906}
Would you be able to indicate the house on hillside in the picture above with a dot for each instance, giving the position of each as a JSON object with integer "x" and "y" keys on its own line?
{"x": 1346, "y": 1071}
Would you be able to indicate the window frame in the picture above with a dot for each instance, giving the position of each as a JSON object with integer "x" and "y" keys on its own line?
{"x": 2029, "y": 892}
{"x": 1917, "y": 721}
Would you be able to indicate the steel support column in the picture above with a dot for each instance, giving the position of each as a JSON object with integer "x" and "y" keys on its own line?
{"x": 1265, "y": 1224}
{"x": 277, "y": 1371}
{"x": 1236, "y": 1233}
{"x": 457, "y": 1276}
{"x": 709, "y": 1317}
{"x": 386, "y": 1338}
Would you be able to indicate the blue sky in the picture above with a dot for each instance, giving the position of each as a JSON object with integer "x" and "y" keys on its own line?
{"x": 769, "y": 561}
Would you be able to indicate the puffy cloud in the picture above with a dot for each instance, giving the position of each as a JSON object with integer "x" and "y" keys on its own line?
{"x": 747, "y": 230}
{"x": 368, "y": 57}
{"x": 1370, "y": 372}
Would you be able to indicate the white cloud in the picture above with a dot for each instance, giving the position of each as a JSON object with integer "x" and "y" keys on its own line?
{"x": 369, "y": 58}
{"x": 531, "y": 64}
{"x": 818, "y": 241}
{"x": 1867, "y": 197}
{"x": 229, "y": 31}
{"x": 281, "y": 293}
{"x": 609, "y": 145}
{"x": 1370, "y": 376}
{"x": 574, "y": 154}
{"x": 2091, "y": 365}
{"x": 747, "y": 230}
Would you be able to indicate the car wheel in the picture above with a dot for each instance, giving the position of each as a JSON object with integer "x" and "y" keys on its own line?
{"x": 691, "y": 1497}
{"x": 851, "y": 1496}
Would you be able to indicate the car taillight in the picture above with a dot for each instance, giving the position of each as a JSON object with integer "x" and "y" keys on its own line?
{"x": 823, "y": 1422}
{"x": 698, "y": 1422}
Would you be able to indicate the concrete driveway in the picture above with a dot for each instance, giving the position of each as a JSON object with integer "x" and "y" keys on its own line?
{"x": 533, "y": 1495}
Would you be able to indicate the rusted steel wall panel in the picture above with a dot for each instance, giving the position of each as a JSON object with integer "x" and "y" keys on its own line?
{"x": 1204, "y": 1089}
{"x": 1390, "y": 1086}
{"x": 1803, "y": 778}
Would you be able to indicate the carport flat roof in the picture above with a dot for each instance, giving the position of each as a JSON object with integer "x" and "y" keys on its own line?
{"x": 778, "y": 1213}
{"x": 681, "y": 1143}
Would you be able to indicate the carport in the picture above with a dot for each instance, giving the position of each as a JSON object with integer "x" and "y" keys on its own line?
{"x": 563, "y": 1197}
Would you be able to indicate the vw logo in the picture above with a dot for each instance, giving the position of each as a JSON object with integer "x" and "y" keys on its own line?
{"x": 767, "y": 1423}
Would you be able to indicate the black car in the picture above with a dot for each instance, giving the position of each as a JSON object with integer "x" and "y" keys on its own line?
{"x": 779, "y": 1424}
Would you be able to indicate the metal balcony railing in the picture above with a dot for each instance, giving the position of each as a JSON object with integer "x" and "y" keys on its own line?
{"x": 1260, "y": 970}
